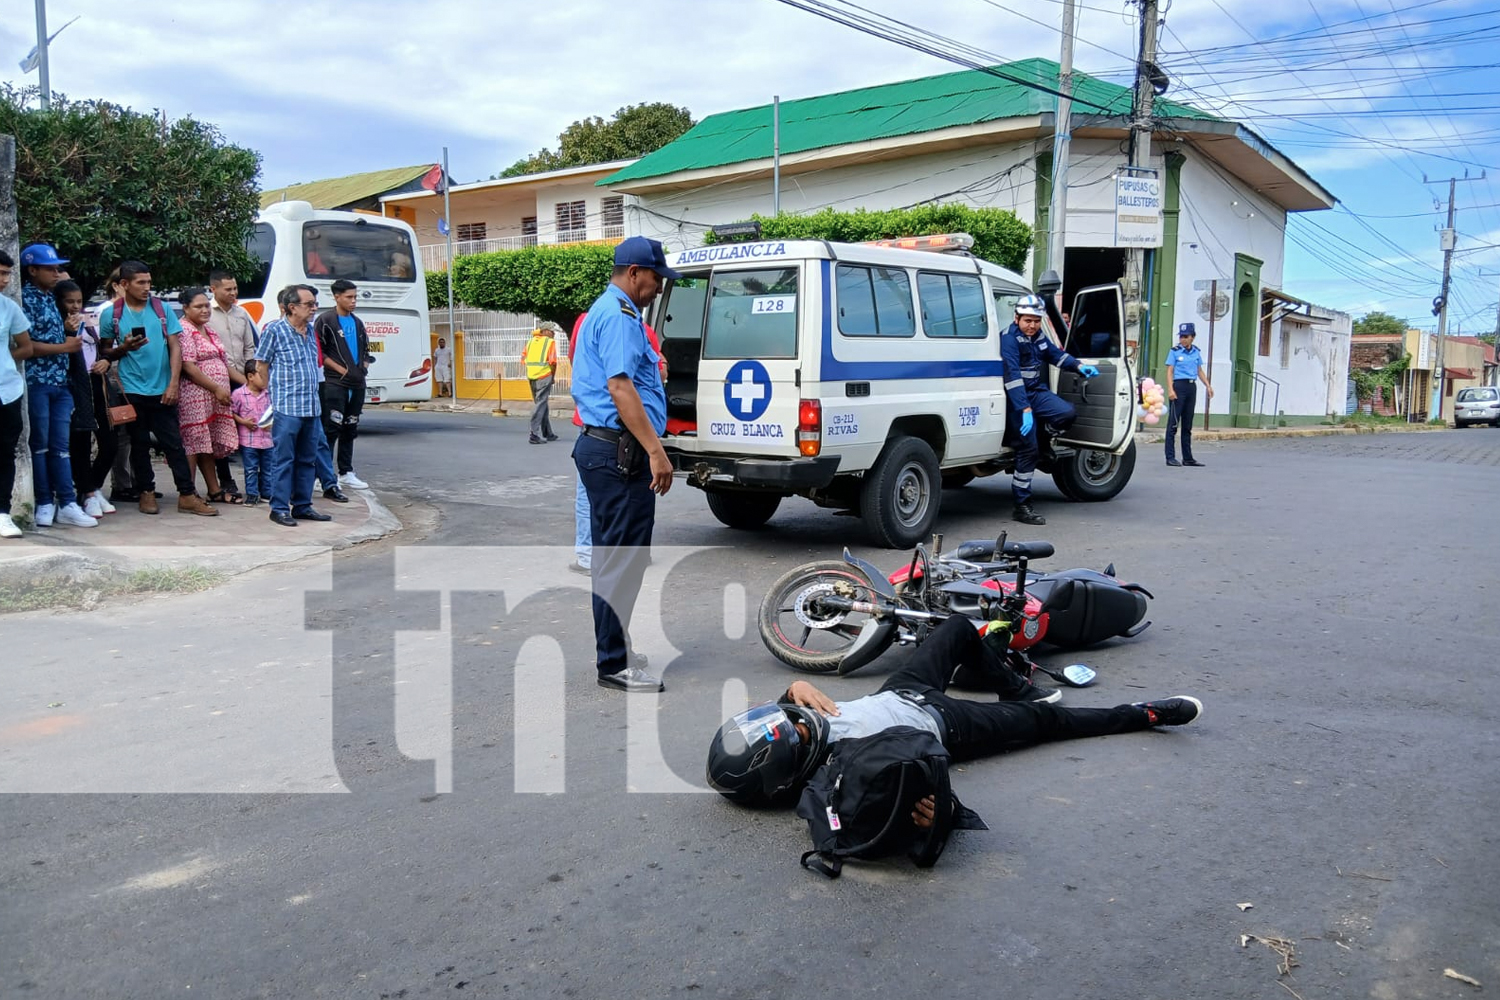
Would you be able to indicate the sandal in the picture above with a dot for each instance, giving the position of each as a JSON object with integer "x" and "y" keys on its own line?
{"x": 223, "y": 496}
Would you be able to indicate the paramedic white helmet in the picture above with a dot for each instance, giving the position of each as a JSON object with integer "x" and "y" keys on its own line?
{"x": 1030, "y": 305}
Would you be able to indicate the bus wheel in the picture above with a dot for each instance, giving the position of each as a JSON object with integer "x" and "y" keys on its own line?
{"x": 902, "y": 493}
{"x": 743, "y": 510}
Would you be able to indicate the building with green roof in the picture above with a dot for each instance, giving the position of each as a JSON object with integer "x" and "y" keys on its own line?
{"x": 356, "y": 191}
{"x": 984, "y": 138}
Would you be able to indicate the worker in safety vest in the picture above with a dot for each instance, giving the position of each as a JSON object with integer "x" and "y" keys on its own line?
{"x": 541, "y": 371}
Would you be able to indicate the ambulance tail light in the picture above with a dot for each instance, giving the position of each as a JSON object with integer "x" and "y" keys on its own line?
{"x": 939, "y": 243}
{"x": 810, "y": 427}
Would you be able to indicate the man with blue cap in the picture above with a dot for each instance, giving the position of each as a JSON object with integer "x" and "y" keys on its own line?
{"x": 621, "y": 462}
{"x": 1184, "y": 364}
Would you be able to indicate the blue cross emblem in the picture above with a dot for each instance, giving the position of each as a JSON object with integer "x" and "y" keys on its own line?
{"x": 747, "y": 390}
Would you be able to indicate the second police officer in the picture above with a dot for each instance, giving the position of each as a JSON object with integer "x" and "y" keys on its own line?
{"x": 1184, "y": 364}
{"x": 1026, "y": 352}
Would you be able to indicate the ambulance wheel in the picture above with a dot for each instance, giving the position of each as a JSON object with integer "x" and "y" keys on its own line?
{"x": 743, "y": 510}
{"x": 1092, "y": 476}
{"x": 957, "y": 480}
{"x": 902, "y": 493}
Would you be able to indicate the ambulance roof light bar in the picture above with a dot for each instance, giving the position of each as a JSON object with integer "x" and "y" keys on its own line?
{"x": 940, "y": 243}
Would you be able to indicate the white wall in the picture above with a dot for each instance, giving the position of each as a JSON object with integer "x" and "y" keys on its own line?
{"x": 1313, "y": 381}
{"x": 1217, "y": 221}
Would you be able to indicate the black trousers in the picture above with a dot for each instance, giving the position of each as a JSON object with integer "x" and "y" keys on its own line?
{"x": 10, "y": 437}
{"x": 954, "y": 654}
{"x": 1184, "y": 409}
{"x": 341, "y": 409}
{"x": 89, "y": 472}
{"x": 152, "y": 416}
{"x": 622, "y": 515}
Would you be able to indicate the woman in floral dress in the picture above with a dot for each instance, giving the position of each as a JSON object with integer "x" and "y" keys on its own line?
{"x": 208, "y": 429}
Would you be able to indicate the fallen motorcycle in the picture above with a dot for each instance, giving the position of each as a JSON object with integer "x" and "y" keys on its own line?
{"x": 836, "y": 616}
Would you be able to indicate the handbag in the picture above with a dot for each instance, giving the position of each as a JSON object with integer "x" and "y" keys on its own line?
{"x": 124, "y": 412}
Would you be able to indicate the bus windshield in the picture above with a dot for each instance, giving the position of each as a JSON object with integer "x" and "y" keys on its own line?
{"x": 357, "y": 251}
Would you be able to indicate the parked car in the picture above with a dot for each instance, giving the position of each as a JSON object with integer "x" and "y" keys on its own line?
{"x": 1477, "y": 405}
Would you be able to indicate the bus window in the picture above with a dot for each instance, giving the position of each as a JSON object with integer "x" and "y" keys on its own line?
{"x": 357, "y": 251}
{"x": 262, "y": 247}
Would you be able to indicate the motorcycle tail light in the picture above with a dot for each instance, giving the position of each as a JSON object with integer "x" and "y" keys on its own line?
{"x": 810, "y": 427}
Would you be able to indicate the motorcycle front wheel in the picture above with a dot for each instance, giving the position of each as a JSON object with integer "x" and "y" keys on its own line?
{"x": 799, "y": 629}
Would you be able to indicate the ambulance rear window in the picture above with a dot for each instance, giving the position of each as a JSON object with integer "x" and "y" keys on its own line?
{"x": 752, "y": 314}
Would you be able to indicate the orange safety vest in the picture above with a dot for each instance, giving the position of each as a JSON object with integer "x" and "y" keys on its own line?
{"x": 541, "y": 356}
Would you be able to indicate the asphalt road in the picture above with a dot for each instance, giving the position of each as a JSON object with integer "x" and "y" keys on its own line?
{"x": 268, "y": 765}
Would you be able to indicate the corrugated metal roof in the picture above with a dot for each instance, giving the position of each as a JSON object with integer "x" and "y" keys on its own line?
{"x": 909, "y": 107}
{"x": 336, "y": 192}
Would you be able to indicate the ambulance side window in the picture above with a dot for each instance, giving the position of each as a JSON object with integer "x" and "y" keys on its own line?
{"x": 874, "y": 302}
{"x": 952, "y": 305}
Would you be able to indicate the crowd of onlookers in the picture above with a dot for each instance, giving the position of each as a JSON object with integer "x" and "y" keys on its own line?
{"x": 105, "y": 389}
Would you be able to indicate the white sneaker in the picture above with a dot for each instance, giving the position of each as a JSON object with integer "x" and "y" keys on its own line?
{"x": 8, "y": 527}
{"x": 92, "y": 507}
{"x": 104, "y": 503}
{"x": 44, "y": 514}
{"x": 73, "y": 515}
{"x": 352, "y": 481}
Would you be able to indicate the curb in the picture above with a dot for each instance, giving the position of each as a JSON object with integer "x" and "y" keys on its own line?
{"x": 1250, "y": 434}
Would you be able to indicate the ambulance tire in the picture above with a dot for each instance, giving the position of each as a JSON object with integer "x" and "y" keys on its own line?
{"x": 902, "y": 493}
{"x": 1092, "y": 476}
{"x": 743, "y": 510}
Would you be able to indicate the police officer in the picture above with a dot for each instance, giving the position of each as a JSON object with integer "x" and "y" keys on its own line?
{"x": 623, "y": 404}
{"x": 1184, "y": 364}
{"x": 1026, "y": 353}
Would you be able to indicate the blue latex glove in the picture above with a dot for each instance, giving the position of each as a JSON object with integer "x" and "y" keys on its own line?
{"x": 1087, "y": 371}
{"x": 1026, "y": 422}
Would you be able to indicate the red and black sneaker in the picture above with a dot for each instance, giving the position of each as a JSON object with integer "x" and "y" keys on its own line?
{"x": 1177, "y": 711}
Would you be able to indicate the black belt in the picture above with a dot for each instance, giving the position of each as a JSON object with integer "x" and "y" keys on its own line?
{"x": 1176, "y": 380}
{"x": 602, "y": 433}
{"x": 920, "y": 700}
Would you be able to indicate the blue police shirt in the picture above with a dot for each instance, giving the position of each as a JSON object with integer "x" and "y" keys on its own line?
{"x": 1184, "y": 362}
{"x": 612, "y": 341}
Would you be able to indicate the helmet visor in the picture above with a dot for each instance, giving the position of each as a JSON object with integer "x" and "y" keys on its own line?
{"x": 765, "y": 722}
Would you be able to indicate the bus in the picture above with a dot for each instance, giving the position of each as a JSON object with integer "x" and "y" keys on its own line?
{"x": 295, "y": 243}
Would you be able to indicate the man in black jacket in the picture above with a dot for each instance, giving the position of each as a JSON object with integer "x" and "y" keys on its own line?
{"x": 346, "y": 357}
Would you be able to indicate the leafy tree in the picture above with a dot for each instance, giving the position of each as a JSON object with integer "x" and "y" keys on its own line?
{"x": 999, "y": 237}
{"x": 548, "y": 281}
{"x": 635, "y": 130}
{"x": 1379, "y": 322}
{"x": 104, "y": 184}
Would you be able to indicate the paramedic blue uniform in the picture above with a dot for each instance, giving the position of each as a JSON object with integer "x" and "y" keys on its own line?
{"x": 1026, "y": 384}
{"x": 1185, "y": 362}
{"x": 622, "y": 509}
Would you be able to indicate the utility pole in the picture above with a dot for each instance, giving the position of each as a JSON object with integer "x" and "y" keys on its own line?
{"x": 1145, "y": 91}
{"x": 775, "y": 155}
{"x": 43, "y": 78}
{"x": 1440, "y": 305}
{"x": 1057, "y": 214}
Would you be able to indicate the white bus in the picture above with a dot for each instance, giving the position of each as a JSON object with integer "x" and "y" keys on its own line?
{"x": 297, "y": 244}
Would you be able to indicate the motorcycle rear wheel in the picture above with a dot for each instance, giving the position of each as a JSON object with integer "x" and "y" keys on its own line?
{"x": 799, "y": 632}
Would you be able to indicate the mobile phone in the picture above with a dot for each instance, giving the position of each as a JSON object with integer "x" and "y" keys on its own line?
{"x": 137, "y": 332}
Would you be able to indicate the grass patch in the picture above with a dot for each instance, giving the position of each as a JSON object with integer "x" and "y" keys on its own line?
{"x": 1370, "y": 420}
{"x": 87, "y": 595}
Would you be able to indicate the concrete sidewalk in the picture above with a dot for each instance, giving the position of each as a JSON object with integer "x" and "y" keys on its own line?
{"x": 1157, "y": 435}
{"x": 239, "y": 539}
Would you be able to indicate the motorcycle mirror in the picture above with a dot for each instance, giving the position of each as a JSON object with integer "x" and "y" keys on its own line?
{"x": 873, "y": 638}
{"x": 1078, "y": 675}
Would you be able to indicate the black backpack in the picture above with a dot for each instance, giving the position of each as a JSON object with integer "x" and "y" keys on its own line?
{"x": 859, "y": 803}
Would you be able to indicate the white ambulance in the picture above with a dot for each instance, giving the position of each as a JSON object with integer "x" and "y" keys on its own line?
{"x": 867, "y": 378}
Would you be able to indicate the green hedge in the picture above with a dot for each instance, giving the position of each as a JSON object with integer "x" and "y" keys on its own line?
{"x": 551, "y": 282}
{"x": 999, "y": 237}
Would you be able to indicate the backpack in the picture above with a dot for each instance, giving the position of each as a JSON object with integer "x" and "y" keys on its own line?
{"x": 117, "y": 309}
{"x": 859, "y": 803}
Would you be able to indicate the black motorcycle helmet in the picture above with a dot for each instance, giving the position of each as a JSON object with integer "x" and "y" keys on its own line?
{"x": 759, "y": 758}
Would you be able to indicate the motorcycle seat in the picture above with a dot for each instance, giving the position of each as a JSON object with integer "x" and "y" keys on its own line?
{"x": 980, "y": 550}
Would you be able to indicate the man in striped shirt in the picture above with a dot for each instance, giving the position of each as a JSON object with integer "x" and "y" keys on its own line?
{"x": 287, "y": 348}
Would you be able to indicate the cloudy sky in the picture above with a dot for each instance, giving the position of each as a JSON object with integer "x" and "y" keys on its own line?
{"x": 1367, "y": 100}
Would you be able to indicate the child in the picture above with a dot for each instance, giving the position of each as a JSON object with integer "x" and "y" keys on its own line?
{"x": 248, "y": 403}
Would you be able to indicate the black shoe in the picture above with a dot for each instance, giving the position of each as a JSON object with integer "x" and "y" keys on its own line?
{"x": 283, "y": 518}
{"x": 1174, "y": 463}
{"x": 553, "y": 437}
{"x": 632, "y": 680}
{"x": 535, "y": 441}
{"x": 252, "y": 500}
{"x": 124, "y": 496}
{"x": 1027, "y": 514}
{"x": 335, "y": 494}
{"x": 1193, "y": 462}
{"x": 1178, "y": 711}
{"x": 309, "y": 514}
{"x": 1041, "y": 695}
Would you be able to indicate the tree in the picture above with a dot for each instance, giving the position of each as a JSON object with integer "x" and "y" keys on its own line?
{"x": 1379, "y": 322}
{"x": 635, "y": 130}
{"x": 999, "y": 237}
{"x": 103, "y": 184}
{"x": 548, "y": 281}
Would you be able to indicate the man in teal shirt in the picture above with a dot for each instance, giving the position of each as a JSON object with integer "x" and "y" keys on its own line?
{"x": 1184, "y": 364}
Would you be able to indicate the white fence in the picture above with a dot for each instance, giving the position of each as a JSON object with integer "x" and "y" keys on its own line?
{"x": 494, "y": 343}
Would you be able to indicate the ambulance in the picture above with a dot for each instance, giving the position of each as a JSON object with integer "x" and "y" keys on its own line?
{"x": 867, "y": 379}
